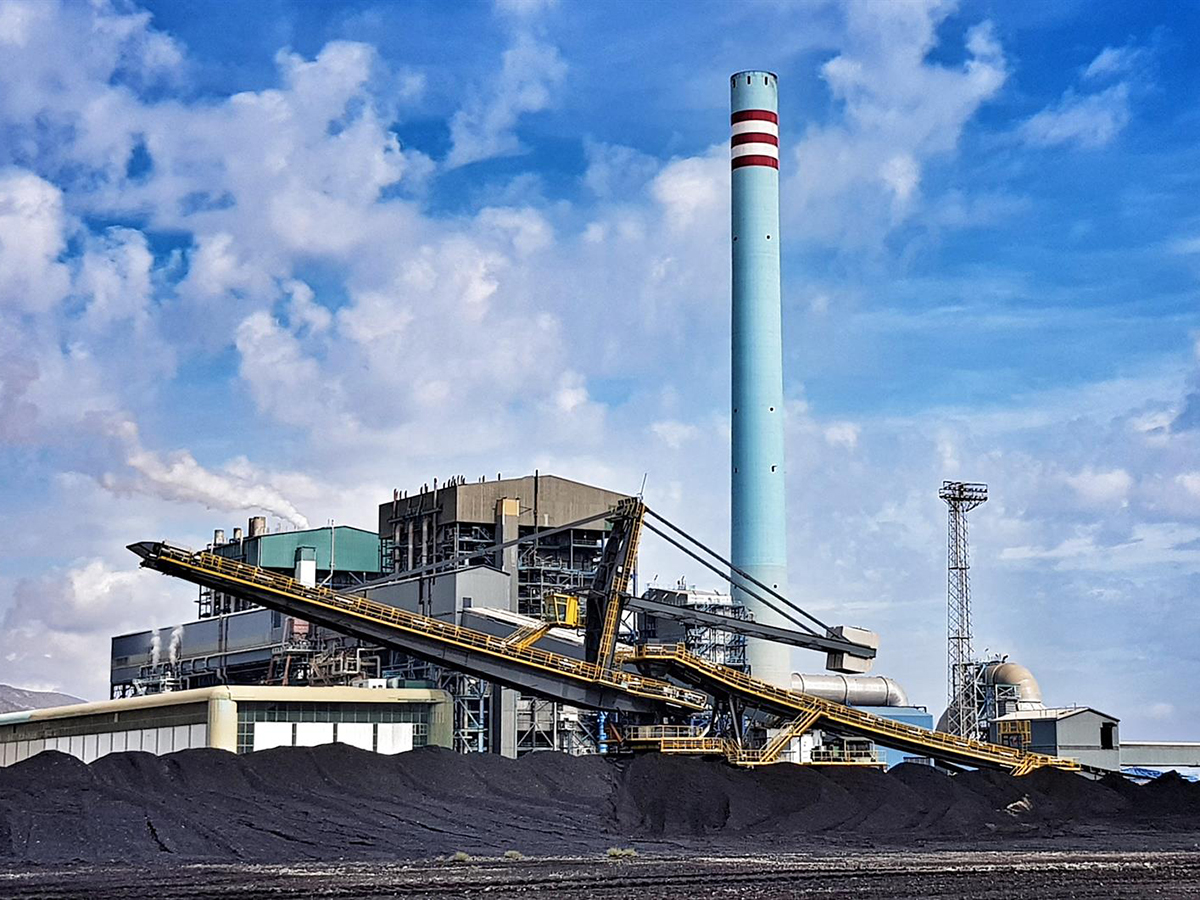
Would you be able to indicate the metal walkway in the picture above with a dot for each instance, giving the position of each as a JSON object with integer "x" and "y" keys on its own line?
{"x": 806, "y": 711}
{"x": 514, "y": 664}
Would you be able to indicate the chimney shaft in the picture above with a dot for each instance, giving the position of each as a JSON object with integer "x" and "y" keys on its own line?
{"x": 758, "y": 538}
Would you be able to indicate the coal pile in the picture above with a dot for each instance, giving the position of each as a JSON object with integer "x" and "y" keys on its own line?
{"x": 339, "y": 803}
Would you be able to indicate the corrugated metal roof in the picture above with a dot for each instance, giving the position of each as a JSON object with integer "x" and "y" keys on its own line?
{"x": 1061, "y": 712}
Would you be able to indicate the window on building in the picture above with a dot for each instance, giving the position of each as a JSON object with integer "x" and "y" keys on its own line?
{"x": 1107, "y": 733}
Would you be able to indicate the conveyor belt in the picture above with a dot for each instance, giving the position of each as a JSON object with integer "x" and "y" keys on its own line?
{"x": 722, "y": 680}
{"x": 526, "y": 668}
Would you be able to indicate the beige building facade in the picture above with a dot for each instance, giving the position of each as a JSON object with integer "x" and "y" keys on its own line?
{"x": 237, "y": 718}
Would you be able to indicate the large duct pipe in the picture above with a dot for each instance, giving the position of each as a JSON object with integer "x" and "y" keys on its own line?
{"x": 852, "y": 690}
{"x": 758, "y": 541}
{"x": 999, "y": 673}
{"x": 1002, "y": 672}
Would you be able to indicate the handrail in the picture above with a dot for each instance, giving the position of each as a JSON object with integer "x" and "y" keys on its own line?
{"x": 656, "y": 732}
{"x": 933, "y": 741}
{"x": 445, "y": 632}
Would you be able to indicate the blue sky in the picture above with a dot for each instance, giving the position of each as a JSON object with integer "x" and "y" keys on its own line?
{"x": 282, "y": 258}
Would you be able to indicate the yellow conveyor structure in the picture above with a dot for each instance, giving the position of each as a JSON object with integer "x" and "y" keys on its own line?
{"x": 805, "y": 711}
{"x": 510, "y": 662}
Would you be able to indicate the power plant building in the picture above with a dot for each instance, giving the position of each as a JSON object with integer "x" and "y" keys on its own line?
{"x": 438, "y": 523}
{"x": 420, "y": 531}
{"x": 235, "y": 642}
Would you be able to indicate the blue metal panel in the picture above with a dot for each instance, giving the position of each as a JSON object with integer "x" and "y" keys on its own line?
{"x": 910, "y": 715}
{"x": 758, "y": 535}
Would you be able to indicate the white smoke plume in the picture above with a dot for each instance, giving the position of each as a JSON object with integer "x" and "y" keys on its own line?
{"x": 155, "y": 649}
{"x": 178, "y": 476}
{"x": 176, "y": 644}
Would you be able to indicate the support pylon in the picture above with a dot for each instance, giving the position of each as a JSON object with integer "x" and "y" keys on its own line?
{"x": 962, "y": 690}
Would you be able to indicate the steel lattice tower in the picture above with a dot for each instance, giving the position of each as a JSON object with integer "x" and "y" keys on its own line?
{"x": 962, "y": 704}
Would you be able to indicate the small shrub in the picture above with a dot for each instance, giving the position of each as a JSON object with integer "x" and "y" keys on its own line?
{"x": 621, "y": 853}
{"x": 459, "y": 856}
{"x": 513, "y": 854}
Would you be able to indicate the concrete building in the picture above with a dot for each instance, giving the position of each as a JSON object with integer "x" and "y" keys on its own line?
{"x": 236, "y": 718}
{"x": 1080, "y": 732}
{"x": 440, "y": 522}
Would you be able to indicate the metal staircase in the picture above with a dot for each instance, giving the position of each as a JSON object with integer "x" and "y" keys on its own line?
{"x": 808, "y": 711}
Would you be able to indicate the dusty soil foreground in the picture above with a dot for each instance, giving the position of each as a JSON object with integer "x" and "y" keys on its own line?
{"x": 982, "y": 874}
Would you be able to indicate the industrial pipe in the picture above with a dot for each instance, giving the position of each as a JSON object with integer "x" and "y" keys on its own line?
{"x": 852, "y": 690}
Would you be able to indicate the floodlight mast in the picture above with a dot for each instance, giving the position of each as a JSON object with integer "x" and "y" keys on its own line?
{"x": 962, "y": 690}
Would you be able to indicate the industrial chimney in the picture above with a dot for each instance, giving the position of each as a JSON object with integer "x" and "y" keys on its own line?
{"x": 758, "y": 540}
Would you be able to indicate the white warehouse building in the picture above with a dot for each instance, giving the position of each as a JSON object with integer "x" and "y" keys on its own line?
{"x": 236, "y": 718}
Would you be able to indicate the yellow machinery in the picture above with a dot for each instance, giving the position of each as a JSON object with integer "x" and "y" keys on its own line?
{"x": 563, "y": 610}
{"x": 654, "y": 682}
{"x": 511, "y": 662}
{"x": 807, "y": 711}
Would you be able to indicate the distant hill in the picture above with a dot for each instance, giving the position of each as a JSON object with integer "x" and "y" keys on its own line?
{"x": 17, "y": 699}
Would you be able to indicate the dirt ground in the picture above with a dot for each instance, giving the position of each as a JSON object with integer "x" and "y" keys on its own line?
{"x": 1024, "y": 873}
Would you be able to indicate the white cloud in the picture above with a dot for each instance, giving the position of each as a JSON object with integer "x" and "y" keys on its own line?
{"x": 530, "y": 73}
{"x": 526, "y": 229}
{"x": 33, "y": 233}
{"x": 572, "y": 392}
{"x": 303, "y": 311}
{"x": 1185, "y": 245}
{"x": 673, "y": 433}
{"x": 853, "y": 180}
{"x": 57, "y": 623}
{"x": 522, "y": 8}
{"x": 842, "y": 434}
{"x": 115, "y": 274}
{"x": 1115, "y": 61}
{"x": 693, "y": 191}
{"x": 286, "y": 383}
{"x": 1102, "y": 487}
{"x": 1161, "y": 710}
{"x": 1089, "y": 121}
{"x": 1190, "y": 482}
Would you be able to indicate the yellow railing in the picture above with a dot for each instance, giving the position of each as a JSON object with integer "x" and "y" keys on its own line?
{"x": 935, "y": 743}
{"x": 659, "y": 732}
{"x": 234, "y": 572}
{"x": 528, "y": 635}
{"x": 635, "y": 510}
{"x": 676, "y": 739}
{"x": 772, "y": 750}
{"x": 846, "y": 757}
{"x": 702, "y": 745}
